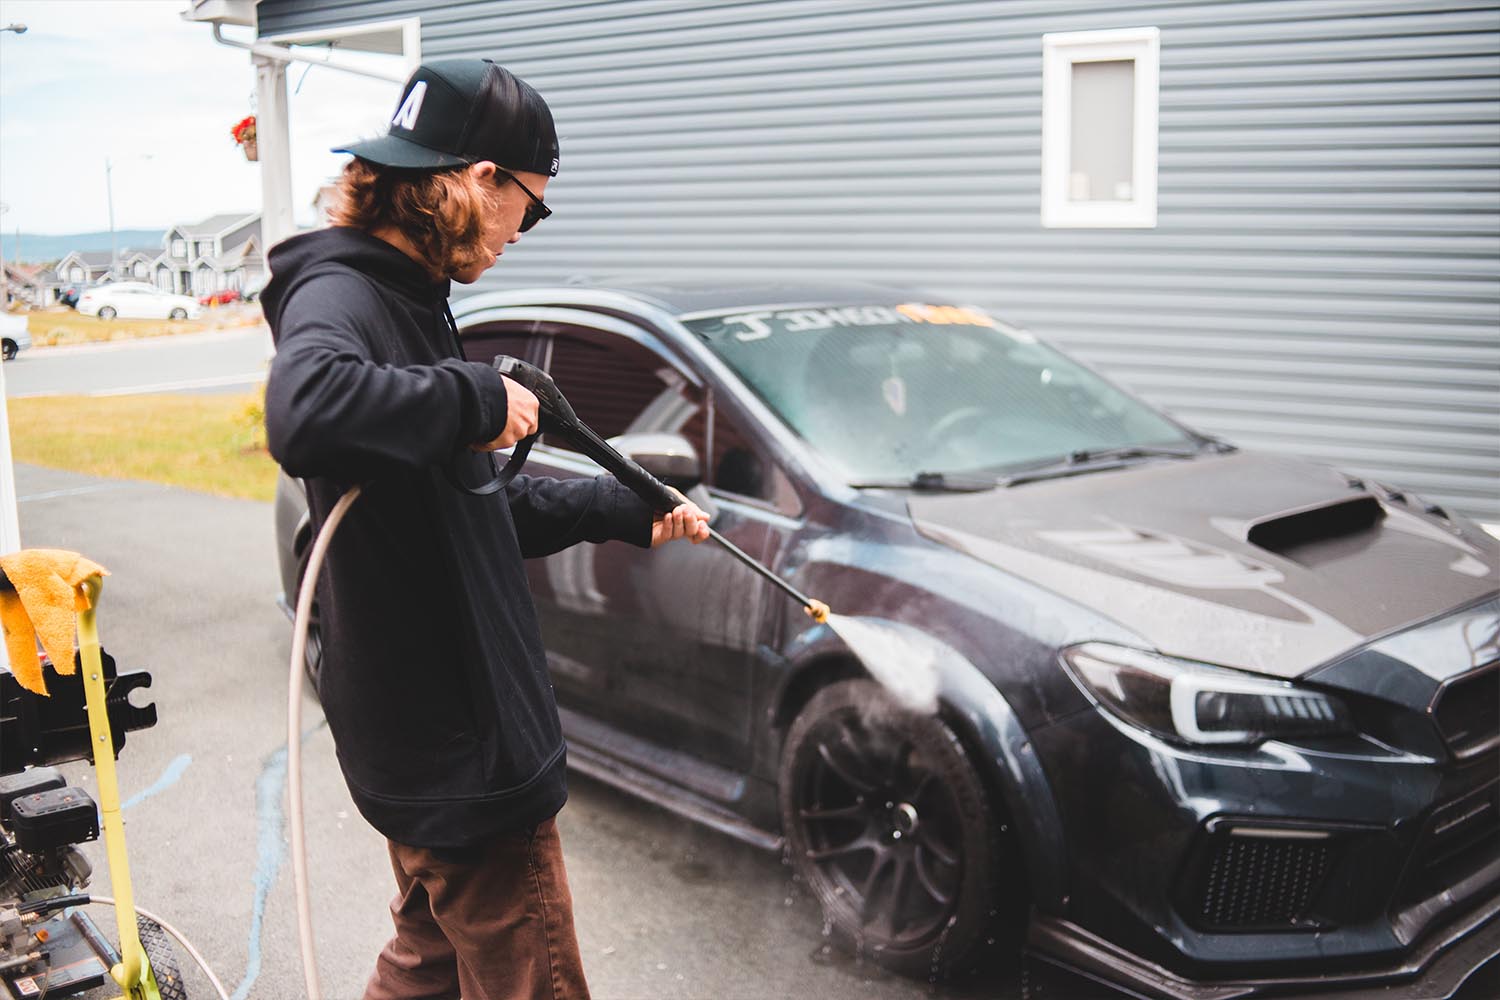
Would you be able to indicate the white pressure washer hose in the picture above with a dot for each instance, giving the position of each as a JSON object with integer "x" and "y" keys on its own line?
{"x": 294, "y": 739}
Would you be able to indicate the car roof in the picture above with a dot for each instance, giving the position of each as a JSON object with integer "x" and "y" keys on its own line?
{"x": 689, "y": 297}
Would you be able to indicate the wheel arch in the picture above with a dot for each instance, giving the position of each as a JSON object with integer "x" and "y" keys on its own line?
{"x": 987, "y": 726}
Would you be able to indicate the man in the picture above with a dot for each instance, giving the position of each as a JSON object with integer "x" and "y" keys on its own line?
{"x": 434, "y": 680}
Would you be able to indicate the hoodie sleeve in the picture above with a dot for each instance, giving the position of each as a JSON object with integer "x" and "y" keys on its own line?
{"x": 553, "y": 514}
{"x": 332, "y": 411}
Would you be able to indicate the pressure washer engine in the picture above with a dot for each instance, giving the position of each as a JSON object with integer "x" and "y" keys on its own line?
{"x": 48, "y": 944}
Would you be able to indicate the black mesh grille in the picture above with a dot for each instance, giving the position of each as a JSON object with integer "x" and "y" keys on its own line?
{"x": 1258, "y": 882}
{"x": 1468, "y": 711}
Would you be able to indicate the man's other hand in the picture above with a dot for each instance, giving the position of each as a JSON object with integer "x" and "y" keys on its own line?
{"x": 520, "y": 419}
{"x": 686, "y": 521}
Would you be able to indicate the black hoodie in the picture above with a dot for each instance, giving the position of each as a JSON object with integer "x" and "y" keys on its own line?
{"x": 434, "y": 680}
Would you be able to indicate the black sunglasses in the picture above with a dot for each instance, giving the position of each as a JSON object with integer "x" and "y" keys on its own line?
{"x": 536, "y": 211}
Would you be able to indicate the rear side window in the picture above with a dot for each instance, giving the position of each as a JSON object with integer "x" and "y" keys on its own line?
{"x": 513, "y": 337}
{"x": 617, "y": 386}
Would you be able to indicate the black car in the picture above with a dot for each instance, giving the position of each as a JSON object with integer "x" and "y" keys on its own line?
{"x": 1178, "y": 716}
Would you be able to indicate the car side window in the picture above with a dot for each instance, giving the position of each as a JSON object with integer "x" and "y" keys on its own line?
{"x": 618, "y": 386}
{"x": 739, "y": 466}
{"x": 483, "y": 341}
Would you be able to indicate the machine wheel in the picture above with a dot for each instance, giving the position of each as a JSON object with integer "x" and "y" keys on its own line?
{"x": 163, "y": 958}
{"x": 889, "y": 824}
{"x": 9, "y": 349}
{"x": 178, "y": 313}
{"x": 107, "y": 312}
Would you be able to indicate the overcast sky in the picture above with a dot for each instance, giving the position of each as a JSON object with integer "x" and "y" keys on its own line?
{"x": 131, "y": 81}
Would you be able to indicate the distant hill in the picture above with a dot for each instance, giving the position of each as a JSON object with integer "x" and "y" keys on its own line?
{"x": 36, "y": 247}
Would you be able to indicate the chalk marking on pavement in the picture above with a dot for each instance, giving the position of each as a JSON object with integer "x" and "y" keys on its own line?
{"x": 270, "y": 849}
{"x": 169, "y": 777}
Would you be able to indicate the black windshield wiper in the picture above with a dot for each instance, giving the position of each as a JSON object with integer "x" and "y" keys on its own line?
{"x": 1084, "y": 456}
{"x": 942, "y": 482}
{"x": 1083, "y": 461}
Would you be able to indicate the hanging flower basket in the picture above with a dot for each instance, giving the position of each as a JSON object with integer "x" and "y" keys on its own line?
{"x": 244, "y": 134}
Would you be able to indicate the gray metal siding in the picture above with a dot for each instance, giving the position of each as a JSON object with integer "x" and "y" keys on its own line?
{"x": 1324, "y": 277}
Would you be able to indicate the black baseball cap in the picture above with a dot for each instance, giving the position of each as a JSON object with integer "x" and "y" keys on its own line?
{"x": 458, "y": 111}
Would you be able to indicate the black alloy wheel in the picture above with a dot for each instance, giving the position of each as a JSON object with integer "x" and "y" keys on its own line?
{"x": 888, "y": 822}
{"x": 9, "y": 350}
{"x": 107, "y": 312}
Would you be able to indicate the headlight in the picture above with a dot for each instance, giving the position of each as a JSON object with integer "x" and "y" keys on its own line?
{"x": 1191, "y": 702}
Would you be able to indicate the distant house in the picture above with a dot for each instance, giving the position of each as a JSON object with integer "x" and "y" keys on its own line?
{"x": 222, "y": 251}
{"x": 83, "y": 267}
{"x": 30, "y": 283}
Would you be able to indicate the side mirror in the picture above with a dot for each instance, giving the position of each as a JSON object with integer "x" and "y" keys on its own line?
{"x": 670, "y": 458}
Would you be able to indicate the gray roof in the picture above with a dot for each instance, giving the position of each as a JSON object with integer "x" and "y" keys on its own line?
{"x": 94, "y": 258}
{"x": 214, "y": 224}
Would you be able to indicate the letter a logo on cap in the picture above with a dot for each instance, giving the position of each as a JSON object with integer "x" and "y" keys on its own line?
{"x": 406, "y": 116}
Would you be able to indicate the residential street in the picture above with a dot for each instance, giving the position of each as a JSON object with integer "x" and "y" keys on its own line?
{"x": 223, "y": 360}
{"x": 664, "y": 909}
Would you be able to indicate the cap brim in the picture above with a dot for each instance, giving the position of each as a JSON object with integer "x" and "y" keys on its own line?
{"x": 395, "y": 151}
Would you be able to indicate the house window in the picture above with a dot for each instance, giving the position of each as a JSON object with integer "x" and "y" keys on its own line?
{"x": 179, "y": 248}
{"x": 1099, "y": 114}
{"x": 75, "y": 274}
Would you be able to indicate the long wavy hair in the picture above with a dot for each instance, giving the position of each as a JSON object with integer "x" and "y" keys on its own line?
{"x": 441, "y": 212}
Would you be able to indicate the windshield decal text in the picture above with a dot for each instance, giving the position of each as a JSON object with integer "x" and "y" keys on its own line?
{"x": 760, "y": 325}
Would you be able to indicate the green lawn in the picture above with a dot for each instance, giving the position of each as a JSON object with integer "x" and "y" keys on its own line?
{"x": 211, "y": 443}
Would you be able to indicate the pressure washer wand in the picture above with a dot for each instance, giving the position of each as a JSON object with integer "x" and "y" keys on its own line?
{"x": 557, "y": 417}
{"x": 815, "y": 609}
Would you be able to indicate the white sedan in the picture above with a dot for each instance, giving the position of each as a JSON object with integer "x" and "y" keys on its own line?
{"x": 132, "y": 300}
{"x": 14, "y": 337}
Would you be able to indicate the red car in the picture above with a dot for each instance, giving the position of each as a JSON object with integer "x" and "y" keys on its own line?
{"x": 220, "y": 298}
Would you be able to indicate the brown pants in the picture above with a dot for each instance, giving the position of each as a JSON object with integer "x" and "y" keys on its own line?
{"x": 495, "y": 924}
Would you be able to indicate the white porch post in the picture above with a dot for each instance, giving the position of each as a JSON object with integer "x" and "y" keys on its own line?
{"x": 272, "y": 136}
{"x": 10, "y": 526}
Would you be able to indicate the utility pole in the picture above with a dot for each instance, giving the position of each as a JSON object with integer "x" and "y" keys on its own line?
{"x": 109, "y": 193}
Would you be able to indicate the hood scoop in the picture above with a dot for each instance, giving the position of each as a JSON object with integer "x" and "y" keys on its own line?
{"x": 1310, "y": 534}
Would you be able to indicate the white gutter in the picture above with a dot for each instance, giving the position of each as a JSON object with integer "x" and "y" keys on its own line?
{"x": 283, "y": 53}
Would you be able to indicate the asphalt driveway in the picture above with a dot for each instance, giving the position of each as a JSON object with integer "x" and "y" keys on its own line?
{"x": 664, "y": 909}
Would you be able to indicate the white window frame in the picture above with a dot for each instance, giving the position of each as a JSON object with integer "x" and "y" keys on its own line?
{"x": 1060, "y": 50}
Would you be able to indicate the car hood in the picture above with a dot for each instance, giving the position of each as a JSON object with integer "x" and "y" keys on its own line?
{"x": 1251, "y": 561}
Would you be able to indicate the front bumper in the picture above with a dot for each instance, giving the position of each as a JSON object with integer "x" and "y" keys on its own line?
{"x": 1436, "y": 968}
{"x": 1200, "y": 873}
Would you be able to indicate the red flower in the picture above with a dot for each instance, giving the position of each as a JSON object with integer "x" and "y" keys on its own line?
{"x": 244, "y": 131}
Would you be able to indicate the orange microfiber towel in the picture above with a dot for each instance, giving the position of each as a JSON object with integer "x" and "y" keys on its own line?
{"x": 46, "y": 601}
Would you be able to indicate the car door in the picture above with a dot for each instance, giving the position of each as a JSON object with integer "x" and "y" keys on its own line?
{"x": 658, "y": 643}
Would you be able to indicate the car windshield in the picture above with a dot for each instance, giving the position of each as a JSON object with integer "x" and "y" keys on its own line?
{"x": 888, "y": 392}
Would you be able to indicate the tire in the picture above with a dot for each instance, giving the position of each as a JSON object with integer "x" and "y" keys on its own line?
{"x": 163, "y": 959}
{"x": 890, "y": 826}
{"x": 312, "y": 658}
{"x": 9, "y": 349}
{"x": 178, "y": 313}
{"x": 107, "y": 312}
